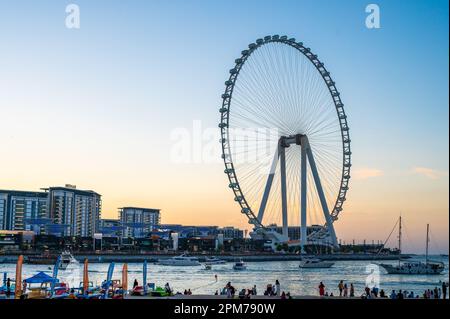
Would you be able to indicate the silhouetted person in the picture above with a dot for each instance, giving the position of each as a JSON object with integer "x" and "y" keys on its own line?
{"x": 8, "y": 287}
{"x": 135, "y": 284}
{"x": 444, "y": 290}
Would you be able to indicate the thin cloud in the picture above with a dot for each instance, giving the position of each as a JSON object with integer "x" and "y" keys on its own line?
{"x": 429, "y": 172}
{"x": 365, "y": 173}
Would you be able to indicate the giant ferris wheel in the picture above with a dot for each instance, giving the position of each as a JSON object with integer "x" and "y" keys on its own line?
{"x": 285, "y": 140}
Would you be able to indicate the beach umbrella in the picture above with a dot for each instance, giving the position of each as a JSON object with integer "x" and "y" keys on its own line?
{"x": 144, "y": 275}
{"x": 85, "y": 277}
{"x": 55, "y": 275}
{"x": 108, "y": 279}
{"x": 125, "y": 278}
{"x": 18, "y": 290}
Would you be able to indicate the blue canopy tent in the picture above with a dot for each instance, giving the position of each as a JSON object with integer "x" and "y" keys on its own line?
{"x": 40, "y": 278}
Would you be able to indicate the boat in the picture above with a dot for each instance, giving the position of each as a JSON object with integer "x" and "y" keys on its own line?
{"x": 46, "y": 258}
{"x": 240, "y": 265}
{"x": 66, "y": 259}
{"x": 414, "y": 268}
{"x": 183, "y": 260}
{"x": 213, "y": 260}
{"x": 208, "y": 266}
{"x": 307, "y": 262}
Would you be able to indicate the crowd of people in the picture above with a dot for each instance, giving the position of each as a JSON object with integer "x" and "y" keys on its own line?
{"x": 374, "y": 292}
{"x": 273, "y": 290}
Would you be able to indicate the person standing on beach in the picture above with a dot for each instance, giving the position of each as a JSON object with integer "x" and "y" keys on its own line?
{"x": 321, "y": 289}
{"x": 436, "y": 293}
{"x": 135, "y": 284}
{"x": 8, "y": 287}
{"x": 345, "y": 290}
{"x": 352, "y": 290}
{"x": 254, "y": 290}
{"x": 277, "y": 288}
{"x": 444, "y": 289}
{"x": 341, "y": 287}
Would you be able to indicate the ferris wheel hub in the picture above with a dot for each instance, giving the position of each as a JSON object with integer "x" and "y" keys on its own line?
{"x": 298, "y": 139}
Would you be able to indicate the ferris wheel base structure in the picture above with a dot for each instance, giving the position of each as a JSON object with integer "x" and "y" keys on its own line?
{"x": 275, "y": 238}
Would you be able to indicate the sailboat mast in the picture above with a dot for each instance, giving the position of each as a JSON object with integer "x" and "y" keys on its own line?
{"x": 428, "y": 240}
{"x": 399, "y": 239}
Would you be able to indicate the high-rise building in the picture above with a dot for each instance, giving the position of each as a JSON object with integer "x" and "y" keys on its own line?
{"x": 19, "y": 208}
{"x": 138, "y": 222}
{"x": 76, "y": 211}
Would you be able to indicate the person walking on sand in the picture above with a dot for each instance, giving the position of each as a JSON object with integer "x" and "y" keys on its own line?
{"x": 341, "y": 287}
{"x": 321, "y": 289}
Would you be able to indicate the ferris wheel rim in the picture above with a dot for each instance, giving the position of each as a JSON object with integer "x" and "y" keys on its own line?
{"x": 224, "y": 126}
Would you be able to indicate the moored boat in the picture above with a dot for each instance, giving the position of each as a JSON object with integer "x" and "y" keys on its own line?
{"x": 183, "y": 260}
{"x": 414, "y": 268}
{"x": 213, "y": 260}
{"x": 315, "y": 263}
{"x": 47, "y": 258}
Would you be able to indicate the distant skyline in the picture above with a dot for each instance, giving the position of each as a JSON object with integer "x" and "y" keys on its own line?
{"x": 95, "y": 106}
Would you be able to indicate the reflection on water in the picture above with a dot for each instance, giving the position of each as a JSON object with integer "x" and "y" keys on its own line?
{"x": 292, "y": 278}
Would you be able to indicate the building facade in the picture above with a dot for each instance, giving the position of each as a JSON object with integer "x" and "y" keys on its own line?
{"x": 139, "y": 222}
{"x": 231, "y": 232}
{"x": 19, "y": 208}
{"x": 110, "y": 227}
{"x": 77, "y": 212}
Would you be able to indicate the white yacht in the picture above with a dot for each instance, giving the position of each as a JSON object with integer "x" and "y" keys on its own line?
{"x": 213, "y": 260}
{"x": 308, "y": 262}
{"x": 66, "y": 259}
{"x": 183, "y": 260}
{"x": 414, "y": 268}
{"x": 240, "y": 265}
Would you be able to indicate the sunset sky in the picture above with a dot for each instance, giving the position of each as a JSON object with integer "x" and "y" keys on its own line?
{"x": 96, "y": 106}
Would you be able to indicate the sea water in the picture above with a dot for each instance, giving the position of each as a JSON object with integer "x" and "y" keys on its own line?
{"x": 292, "y": 279}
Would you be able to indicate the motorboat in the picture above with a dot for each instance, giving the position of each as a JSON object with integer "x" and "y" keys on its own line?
{"x": 315, "y": 263}
{"x": 66, "y": 259}
{"x": 240, "y": 265}
{"x": 183, "y": 260}
{"x": 208, "y": 266}
{"x": 213, "y": 260}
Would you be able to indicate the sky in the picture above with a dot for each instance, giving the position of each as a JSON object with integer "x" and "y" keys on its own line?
{"x": 97, "y": 106}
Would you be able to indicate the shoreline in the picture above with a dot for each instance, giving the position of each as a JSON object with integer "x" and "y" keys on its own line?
{"x": 130, "y": 258}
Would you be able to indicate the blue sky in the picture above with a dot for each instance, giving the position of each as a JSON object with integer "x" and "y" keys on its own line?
{"x": 115, "y": 88}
